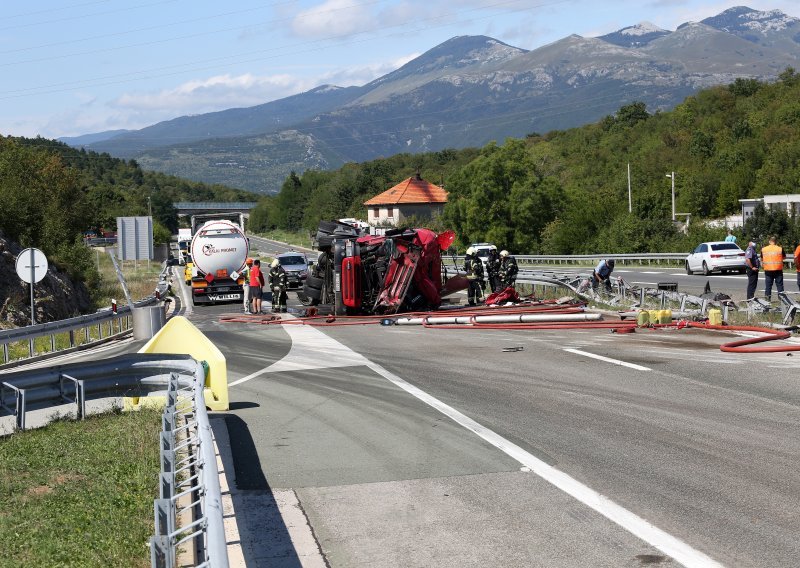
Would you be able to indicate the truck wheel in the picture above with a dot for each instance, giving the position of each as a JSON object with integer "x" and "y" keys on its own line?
{"x": 312, "y": 293}
{"x": 314, "y": 282}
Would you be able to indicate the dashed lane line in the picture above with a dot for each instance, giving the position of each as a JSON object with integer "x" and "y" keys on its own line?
{"x": 608, "y": 360}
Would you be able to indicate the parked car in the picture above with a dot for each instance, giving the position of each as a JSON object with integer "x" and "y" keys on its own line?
{"x": 716, "y": 256}
{"x": 296, "y": 266}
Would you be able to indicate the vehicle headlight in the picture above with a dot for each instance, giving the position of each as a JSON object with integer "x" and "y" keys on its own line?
{"x": 303, "y": 273}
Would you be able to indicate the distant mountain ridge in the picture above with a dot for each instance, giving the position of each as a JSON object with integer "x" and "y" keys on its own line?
{"x": 465, "y": 92}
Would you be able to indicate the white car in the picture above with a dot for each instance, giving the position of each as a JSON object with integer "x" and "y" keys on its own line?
{"x": 718, "y": 256}
{"x": 482, "y": 250}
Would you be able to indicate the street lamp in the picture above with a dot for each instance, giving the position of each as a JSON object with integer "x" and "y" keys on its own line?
{"x": 672, "y": 175}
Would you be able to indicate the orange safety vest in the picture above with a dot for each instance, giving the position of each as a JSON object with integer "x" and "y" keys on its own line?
{"x": 772, "y": 257}
{"x": 797, "y": 258}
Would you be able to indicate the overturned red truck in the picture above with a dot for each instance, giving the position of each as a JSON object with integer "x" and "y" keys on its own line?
{"x": 399, "y": 271}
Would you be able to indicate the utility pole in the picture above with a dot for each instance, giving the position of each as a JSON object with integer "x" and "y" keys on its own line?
{"x": 672, "y": 175}
{"x": 630, "y": 201}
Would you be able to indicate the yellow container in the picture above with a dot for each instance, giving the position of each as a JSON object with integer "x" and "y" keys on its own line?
{"x": 664, "y": 316}
{"x": 715, "y": 317}
{"x": 643, "y": 318}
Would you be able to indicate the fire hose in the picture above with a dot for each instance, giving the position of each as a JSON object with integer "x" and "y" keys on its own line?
{"x": 540, "y": 316}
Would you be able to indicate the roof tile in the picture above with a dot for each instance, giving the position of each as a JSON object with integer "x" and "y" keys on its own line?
{"x": 411, "y": 190}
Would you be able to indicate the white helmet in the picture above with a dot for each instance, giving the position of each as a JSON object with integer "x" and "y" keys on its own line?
{"x": 471, "y": 250}
{"x": 503, "y": 253}
{"x": 274, "y": 263}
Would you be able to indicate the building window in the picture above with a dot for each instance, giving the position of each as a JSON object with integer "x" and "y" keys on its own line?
{"x": 376, "y": 212}
{"x": 390, "y": 211}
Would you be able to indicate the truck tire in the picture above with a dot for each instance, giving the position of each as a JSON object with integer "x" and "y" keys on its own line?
{"x": 314, "y": 282}
{"x": 313, "y": 294}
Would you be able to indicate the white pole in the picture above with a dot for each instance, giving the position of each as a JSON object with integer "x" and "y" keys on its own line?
{"x": 673, "y": 195}
{"x": 630, "y": 201}
{"x": 33, "y": 279}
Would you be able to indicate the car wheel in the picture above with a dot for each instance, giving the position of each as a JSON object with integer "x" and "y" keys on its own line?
{"x": 706, "y": 271}
{"x": 688, "y": 270}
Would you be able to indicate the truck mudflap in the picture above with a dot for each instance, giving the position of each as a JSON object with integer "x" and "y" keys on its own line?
{"x": 351, "y": 282}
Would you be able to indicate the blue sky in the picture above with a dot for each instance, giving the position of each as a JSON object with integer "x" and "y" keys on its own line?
{"x": 75, "y": 67}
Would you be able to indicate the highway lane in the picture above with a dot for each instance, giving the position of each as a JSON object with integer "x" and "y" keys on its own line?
{"x": 702, "y": 444}
{"x": 269, "y": 247}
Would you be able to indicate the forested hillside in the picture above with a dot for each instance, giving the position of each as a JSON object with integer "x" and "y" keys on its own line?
{"x": 566, "y": 192}
{"x": 51, "y": 193}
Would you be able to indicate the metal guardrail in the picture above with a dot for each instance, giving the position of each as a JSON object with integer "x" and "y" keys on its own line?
{"x": 108, "y": 324}
{"x": 633, "y": 258}
{"x": 188, "y": 458}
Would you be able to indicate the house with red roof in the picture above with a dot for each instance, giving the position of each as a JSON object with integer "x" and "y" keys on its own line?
{"x": 412, "y": 196}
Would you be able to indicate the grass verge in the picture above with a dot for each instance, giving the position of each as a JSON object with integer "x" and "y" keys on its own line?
{"x": 299, "y": 238}
{"x": 80, "y": 493}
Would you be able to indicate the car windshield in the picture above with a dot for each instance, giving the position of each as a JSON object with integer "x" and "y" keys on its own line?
{"x": 725, "y": 246}
{"x": 291, "y": 260}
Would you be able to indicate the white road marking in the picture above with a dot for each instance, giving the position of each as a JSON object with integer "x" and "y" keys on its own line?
{"x": 608, "y": 359}
{"x": 636, "y": 525}
{"x": 311, "y": 349}
{"x": 631, "y": 522}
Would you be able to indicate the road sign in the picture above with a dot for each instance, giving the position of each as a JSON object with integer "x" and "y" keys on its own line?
{"x": 31, "y": 265}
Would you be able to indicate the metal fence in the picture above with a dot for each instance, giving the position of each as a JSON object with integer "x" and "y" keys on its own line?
{"x": 81, "y": 330}
{"x": 188, "y": 458}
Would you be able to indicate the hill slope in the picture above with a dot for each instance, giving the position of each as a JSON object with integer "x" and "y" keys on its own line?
{"x": 466, "y": 92}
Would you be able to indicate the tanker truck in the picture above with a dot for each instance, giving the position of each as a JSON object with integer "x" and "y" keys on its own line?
{"x": 219, "y": 251}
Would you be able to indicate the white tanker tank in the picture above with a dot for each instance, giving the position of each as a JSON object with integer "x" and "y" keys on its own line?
{"x": 219, "y": 252}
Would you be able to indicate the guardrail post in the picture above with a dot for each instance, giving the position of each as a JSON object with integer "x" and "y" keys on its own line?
{"x": 641, "y": 297}
{"x": 5, "y": 352}
{"x": 19, "y": 406}
{"x": 72, "y": 338}
{"x": 160, "y": 552}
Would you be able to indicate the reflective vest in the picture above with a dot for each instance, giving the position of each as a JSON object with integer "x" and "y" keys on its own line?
{"x": 772, "y": 257}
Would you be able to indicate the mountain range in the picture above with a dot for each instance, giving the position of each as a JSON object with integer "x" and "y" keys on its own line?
{"x": 465, "y": 92}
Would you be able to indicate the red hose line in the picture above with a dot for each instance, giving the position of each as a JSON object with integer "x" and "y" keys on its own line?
{"x": 741, "y": 345}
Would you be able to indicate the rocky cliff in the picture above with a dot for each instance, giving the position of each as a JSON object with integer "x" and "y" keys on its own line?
{"x": 56, "y": 296}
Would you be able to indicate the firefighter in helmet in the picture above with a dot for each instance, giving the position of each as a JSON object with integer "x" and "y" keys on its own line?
{"x": 508, "y": 269}
{"x": 278, "y": 283}
{"x": 473, "y": 266}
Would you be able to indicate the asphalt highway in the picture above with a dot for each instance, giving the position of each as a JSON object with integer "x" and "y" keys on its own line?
{"x": 406, "y": 446}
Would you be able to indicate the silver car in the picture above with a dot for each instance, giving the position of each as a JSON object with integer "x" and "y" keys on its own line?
{"x": 719, "y": 256}
{"x": 296, "y": 266}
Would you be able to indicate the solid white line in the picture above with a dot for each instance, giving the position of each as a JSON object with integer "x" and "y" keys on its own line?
{"x": 608, "y": 360}
{"x": 631, "y": 522}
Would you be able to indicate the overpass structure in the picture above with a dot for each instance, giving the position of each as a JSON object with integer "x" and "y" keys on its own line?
{"x": 194, "y": 207}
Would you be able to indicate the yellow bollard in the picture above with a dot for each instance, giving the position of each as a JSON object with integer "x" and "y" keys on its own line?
{"x": 643, "y": 318}
{"x": 715, "y": 317}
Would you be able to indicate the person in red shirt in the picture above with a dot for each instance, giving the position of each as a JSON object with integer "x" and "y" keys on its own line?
{"x": 256, "y": 285}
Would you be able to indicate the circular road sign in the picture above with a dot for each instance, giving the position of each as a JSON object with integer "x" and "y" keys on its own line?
{"x": 31, "y": 258}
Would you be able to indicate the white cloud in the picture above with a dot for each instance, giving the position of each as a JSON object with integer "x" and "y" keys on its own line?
{"x": 331, "y": 19}
{"x": 214, "y": 93}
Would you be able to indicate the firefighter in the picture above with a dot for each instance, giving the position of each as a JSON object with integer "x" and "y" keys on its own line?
{"x": 473, "y": 266}
{"x": 493, "y": 270}
{"x": 602, "y": 275}
{"x": 278, "y": 284}
{"x": 508, "y": 269}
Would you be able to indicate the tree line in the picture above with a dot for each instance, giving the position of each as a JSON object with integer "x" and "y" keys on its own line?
{"x": 566, "y": 191}
{"x": 52, "y": 193}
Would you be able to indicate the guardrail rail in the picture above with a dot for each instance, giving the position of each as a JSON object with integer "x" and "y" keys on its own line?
{"x": 188, "y": 472}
